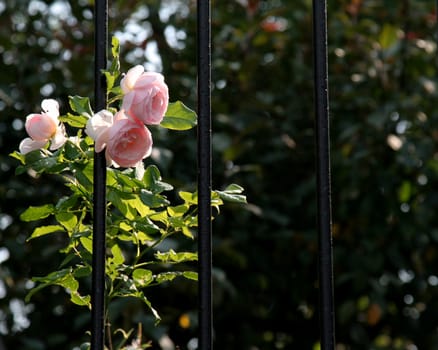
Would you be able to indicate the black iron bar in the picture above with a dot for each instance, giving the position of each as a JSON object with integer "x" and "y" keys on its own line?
{"x": 99, "y": 197}
{"x": 323, "y": 175}
{"x": 204, "y": 175}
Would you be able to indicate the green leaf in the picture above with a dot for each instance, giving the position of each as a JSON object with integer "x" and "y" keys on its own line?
{"x": 81, "y": 300}
{"x": 232, "y": 194}
{"x": 113, "y": 72}
{"x": 72, "y": 151}
{"x": 37, "y": 213}
{"x": 87, "y": 243}
{"x": 126, "y": 179}
{"x": 172, "y": 257}
{"x": 166, "y": 277}
{"x": 66, "y": 203}
{"x": 119, "y": 200}
{"x": 118, "y": 257}
{"x": 145, "y": 225}
{"x": 45, "y": 230}
{"x": 160, "y": 217}
{"x": 178, "y": 210}
{"x": 110, "y": 79}
{"x": 18, "y": 155}
{"x": 186, "y": 232}
{"x": 189, "y": 197}
{"x": 232, "y": 197}
{"x": 82, "y": 271}
{"x": 234, "y": 188}
{"x": 41, "y": 163}
{"x": 179, "y": 117}
{"x": 76, "y": 121}
{"x": 142, "y": 277}
{"x": 84, "y": 175}
{"x": 152, "y": 180}
{"x": 191, "y": 275}
{"x": 81, "y": 105}
{"x": 66, "y": 219}
{"x": 153, "y": 200}
{"x": 63, "y": 278}
{"x": 115, "y": 47}
{"x": 141, "y": 207}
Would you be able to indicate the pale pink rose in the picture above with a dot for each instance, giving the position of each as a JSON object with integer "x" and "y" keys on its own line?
{"x": 97, "y": 128}
{"x": 128, "y": 142}
{"x": 146, "y": 95}
{"x": 44, "y": 127}
{"x": 41, "y": 127}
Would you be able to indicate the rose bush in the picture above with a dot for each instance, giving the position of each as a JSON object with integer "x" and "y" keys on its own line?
{"x": 139, "y": 216}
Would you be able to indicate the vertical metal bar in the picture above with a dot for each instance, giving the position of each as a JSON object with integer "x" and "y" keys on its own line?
{"x": 204, "y": 175}
{"x": 323, "y": 175}
{"x": 99, "y": 198}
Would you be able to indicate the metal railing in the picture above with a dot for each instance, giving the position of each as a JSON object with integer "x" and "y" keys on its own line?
{"x": 323, "y": 175}
{"x": 204, "y": 178}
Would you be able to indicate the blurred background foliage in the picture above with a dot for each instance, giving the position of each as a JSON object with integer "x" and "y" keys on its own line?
{"x": 383, "y": 93}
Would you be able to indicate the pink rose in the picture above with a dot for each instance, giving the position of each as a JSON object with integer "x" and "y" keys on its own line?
{"x": 43, "y": 128}
{"x": 146, "y": 95}
{"x": 127, "y": 141}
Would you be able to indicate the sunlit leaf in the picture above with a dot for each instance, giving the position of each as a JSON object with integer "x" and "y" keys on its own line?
{"x": 191, "y": 275}
{"x": 166, "y": 277}
{"x": 172, "y": 256}
{"x": 179, "y": 117}
{"x": 142, "y": 277}
{"x": 118, "y": 257}
{"x": 87, "y": 243}
{"x": 37, "y": 213}
{"x": 77, "y": 121}
{"x": 81, "y": 300}
{"x": 232, "y": 194}
{"x": 45, "y": 230}
{"x": 66, "y": 219}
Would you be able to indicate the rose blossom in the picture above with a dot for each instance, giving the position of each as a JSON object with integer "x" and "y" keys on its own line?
{"x": 44, "y": 127}
{"x": 97, "y": 127}
{"x": 146, "y": 95}
{"x": 127, "y": 141}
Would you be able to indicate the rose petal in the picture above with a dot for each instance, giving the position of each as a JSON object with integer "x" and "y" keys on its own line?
{"x": 99, "y": 123}
{"x": 101, "y": 141}
{"x": 58, "y": 139}
{"x": 128, "y": 81}
{"x": 148, "y": 78}
{"x": 50, "y": 107}
{"x": 29, "y": 145}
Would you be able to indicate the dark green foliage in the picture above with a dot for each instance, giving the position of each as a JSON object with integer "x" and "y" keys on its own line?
{"x": 382, "y": 66}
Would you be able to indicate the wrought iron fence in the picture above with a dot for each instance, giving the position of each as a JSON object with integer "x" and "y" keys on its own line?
{"x": 204, "y": 177}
